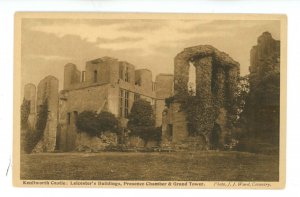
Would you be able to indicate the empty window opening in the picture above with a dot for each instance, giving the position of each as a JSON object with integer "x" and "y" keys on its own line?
{"x": 68, "y": 118}
{"x": 126, "y": 75}
{"x": 138, "y": 82}
{"x": 153, "y": 86}
{"x": 192, "y": 80}
{"x": 121, "y": 95}
{"x": 126, "y": 104}
{"x": 83, "y": 76}
{"x": 95, "y": 76}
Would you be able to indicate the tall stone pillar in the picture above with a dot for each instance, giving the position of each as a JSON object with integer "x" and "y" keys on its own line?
{"x": 203, "y": 78}
{"x": 232, "y": 78}
{"x": 30, "y": 95}
{"x": 48, "y": 90}
{"x": 181, "y": 76}
{"x": 219, "y": 86}
{"x": 205, "y": 107}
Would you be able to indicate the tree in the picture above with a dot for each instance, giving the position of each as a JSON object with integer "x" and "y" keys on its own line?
{"x": 141, "y": 114}
{"x": 262, "y": 108}
{"x": 243, "y": 88}
{"x": 33, "y": 136}
{"x": 42, "y": 118}
{"x": 94, "y": 124}
{"x": 141, "y": 122}
{"x": 259, "y": 122}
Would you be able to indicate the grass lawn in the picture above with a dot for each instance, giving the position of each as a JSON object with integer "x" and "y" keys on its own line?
{"x": 174, "y": 166}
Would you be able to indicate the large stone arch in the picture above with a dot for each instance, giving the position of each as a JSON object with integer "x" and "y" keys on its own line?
{"x": 212, "y": 66}
{"x": 216, "y": 84}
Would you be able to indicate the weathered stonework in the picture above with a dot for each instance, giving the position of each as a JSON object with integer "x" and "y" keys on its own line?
{"x": 163, "y": 89}
{"x": 191, "y": 54}
{"x": 264, "y": 58}
{"x": 30, "y": 95}
{"x": 103, "y": 87}
{"x": 48, "y": 90}
{"x": 262, "y": 109}
{"x": 216, "y": 84}
{"x": 85, "y": 143}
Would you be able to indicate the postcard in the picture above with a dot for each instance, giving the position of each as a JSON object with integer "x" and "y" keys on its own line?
{"x": 128, "y": 100}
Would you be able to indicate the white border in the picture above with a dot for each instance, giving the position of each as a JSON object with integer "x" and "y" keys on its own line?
{"x": 7, "y": 9}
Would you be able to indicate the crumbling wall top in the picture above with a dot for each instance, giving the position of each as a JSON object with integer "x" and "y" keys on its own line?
{"x": 201, "y": 51}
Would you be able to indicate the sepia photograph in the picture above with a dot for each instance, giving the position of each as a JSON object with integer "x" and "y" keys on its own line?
{"x": 150, "y": 100}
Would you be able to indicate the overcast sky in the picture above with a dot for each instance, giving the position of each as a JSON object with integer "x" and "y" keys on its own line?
{"x": 48, "y": 44}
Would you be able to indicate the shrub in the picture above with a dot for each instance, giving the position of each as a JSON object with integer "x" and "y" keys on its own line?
{"x": 25, "y": 110}
{"x": 141, "y": 114}
{"x": 94, "y": 124}
{"x": 141, "y": 122}
{"x": 31, "y": 137}
{"x": 147, "y": 133}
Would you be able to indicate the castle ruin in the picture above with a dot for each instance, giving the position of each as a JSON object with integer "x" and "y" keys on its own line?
{"x": 216, "y": 83}
{"x": 106, "y": 84}
{"x": 30, "y": 95}
{"x": 47, "y": 91}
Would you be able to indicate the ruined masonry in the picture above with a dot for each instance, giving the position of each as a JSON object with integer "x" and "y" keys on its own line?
{"x": 264, "y": 106}
{"x": 47, "y": 90}
{"x": 111, "y": 85}
{"x": 106, "y": 84}
{"x": 264, "y": 58}
{"x": 216, "y": 83}
{"x": 30, "y": 95}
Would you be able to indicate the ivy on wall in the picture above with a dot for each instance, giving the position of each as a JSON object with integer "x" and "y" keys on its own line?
{"x": 25, "y": 110}
{"x": 94, "y": 124}
{"x": 33, "y": 135}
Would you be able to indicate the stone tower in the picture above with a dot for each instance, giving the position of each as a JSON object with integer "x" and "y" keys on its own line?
{"x": 47, "y": 91}
{"x": 262, "y": 109}
{"x": 30, "y": 95}
{"x": 264, "y": 58}
{"x": 216, "y": 84}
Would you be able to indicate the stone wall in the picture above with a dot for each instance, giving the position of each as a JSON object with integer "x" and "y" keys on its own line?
{"x": 105, "y": 78}
{"x": 264, "y": 58}
{"x": 98, "y": 70}
{"x": 194, "y": 54}
{"x": 164, "y": 85}
{"x": 73, "y": 102}
{"x": 163, "y": 89}
{"x": 71, "y": 75}
{"x": 180, "y": 129}
{"x": 86, "y": 143}
{"x": 48, "y": 90}
{"x": 216, "y": 84}
{"x": 262, "y": 109}
{"x": 143, "y": 78}
{"x": 126, "y": 72}
{"x": 30, "y": 95}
